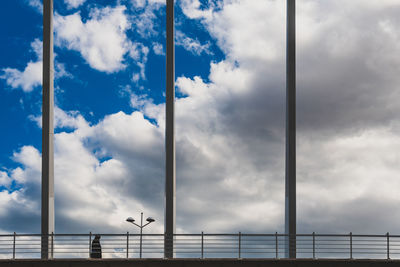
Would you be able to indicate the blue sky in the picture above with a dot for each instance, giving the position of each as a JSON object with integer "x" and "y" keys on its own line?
{"x": 230, "y": 84}
{"x": 94, "y": 93}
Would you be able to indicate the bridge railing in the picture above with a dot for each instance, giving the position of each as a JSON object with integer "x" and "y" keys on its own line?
{"x": 203, "y": 245}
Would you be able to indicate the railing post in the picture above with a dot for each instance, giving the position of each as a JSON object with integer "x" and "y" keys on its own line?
{"x": 90, "y": 242}
{"x": 387, "y": 244}
{"x": 127, "y": 245}
{"x": 14, "y": 246}
{"x": 169, "y": 240}
{"x": 240, "y": 244}
{"x": 351, "y": 245}
{"x": 313, "y": 245}
{"x": 202, "y": 245}
{"x": 52, "y": 245}
{"x": 276, "y": 245}
{"x": 141, "y": 240}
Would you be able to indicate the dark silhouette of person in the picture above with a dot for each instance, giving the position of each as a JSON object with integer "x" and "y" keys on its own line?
{"x": 96, "y": 248}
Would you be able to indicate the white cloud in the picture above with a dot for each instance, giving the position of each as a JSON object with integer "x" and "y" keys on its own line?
{"x": 61, "y": 72}
{"x": 139, "y": 3}
{"x": 139, "y": 52}
{"x": 230, "y": 132}
{"x": 192, "y": 9}
{"x": 27, "y": 79}
{"x": 137, "y": 101}
{"x": 31, "y": 76}
{"x": 145, "y": 21}
{"x": 65, "y": 120}
{"x": 71, "y": 119}
{"x": 192, "y": 45}
{"x": 101, "y": 40}
{"x": 74, "y": 3}
{"x": 21, "y": 208}
{"x": 37, "y": 48}
{"x": 5, "y": 180}
{"x": 161, "y": 2}
{"x": 78, "y": 168}
{"x": 29, "y": 157}
{"x": 37, "y": 4}
{"x": 158, "y": 49}
{"x": 263, "y": 40}
{"x": 336, "y": 104}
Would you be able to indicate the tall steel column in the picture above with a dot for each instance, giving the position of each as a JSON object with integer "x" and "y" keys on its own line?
{"x": 170, "y": 180}
{"x": 290, "y": 179}
{"x": 47, "y": 130}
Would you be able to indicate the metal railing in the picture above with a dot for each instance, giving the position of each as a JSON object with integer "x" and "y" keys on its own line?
{"x": 240, "y": 245}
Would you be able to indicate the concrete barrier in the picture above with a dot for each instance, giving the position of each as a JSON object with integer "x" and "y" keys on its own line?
{"x": 195, "y": 263}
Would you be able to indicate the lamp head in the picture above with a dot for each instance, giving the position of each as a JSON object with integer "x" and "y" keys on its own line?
{"x": 130, "y": 219}
{"x": 150, "y": 220}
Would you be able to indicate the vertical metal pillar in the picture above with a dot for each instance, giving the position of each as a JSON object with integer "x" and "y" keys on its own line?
{"x": 170, "y": 179}
{"x": 47, "y": 130}
{"x": 290, "y": 175}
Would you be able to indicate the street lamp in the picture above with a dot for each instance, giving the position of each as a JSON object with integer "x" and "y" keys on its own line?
{"x": 141, "y": 226}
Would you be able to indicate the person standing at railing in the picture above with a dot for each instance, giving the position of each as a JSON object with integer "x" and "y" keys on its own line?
{"x": 96, "y": 248}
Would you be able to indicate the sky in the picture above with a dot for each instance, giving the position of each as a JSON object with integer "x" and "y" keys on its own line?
{"x": 230, "y": 115}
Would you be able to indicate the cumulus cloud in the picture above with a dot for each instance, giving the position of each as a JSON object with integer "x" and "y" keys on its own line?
{"x": 27, "y": 79}
{"x": 37, "y": 4}
{"x": 5, "y": 180}
{"x": 230, "y": 131}
{"x": 158, "y": 49}
{"x": 192, "y": 45}
{"x": 64, "y": 120}
{"x": 22, "y": 205}
{"x": 161, "y": 2}
{"x": 139, "y": 52}
{"x": 139, "y": 3}
{"x": 101, "y": 40}
{"x": 80, "y": 166}
{"x": 338, "y": 102}
{"x": 146, "y": 21}
{"x": 137, "y": 101}
{"x": 31, "y": 76}
{"x": 74, "y": 3}
{"x": 193, "y": 9}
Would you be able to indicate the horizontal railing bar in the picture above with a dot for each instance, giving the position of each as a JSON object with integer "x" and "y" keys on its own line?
{"x": 205, "y": 235}
{"x": 194, "y": 245}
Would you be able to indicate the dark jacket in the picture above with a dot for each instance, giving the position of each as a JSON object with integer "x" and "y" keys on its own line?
{"x": 96, "y": 248}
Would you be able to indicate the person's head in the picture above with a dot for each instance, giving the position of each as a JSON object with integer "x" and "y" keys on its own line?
{"x": 97, "y": 236}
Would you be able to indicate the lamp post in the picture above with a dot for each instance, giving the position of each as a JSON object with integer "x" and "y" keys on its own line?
{"x": 141, "y": 226}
